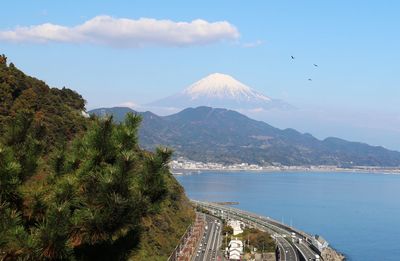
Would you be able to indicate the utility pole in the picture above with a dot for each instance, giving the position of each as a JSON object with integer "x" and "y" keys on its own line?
{"x": 262, "y": 254}
{"x": 226, "y": 244}
{"x": 248, "y": 242}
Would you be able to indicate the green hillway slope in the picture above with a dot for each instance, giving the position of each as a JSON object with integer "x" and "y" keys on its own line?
{"x": 76, "y": 188}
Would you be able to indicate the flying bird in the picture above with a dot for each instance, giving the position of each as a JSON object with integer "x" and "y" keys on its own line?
{"x": 316, "y": 65}
{"x": 292, "y": 57}
{"x": 310, "y": 79}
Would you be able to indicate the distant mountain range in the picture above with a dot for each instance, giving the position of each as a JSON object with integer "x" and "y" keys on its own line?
{"x": 220, "y": 135}
{"x": 219, "y": 91}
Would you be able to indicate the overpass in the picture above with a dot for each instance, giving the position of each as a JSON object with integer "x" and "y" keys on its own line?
{"x": 293, "y": 244}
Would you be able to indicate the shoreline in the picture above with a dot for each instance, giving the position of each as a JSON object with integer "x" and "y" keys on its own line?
{"x": 383, "y": 171}
{"x": 182, "y": 165}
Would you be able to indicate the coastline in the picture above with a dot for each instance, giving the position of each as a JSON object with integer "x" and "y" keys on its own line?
{"x": 331, "y": 254}
{"x": 183, "y": 165}
{"x": 380, "y": 171}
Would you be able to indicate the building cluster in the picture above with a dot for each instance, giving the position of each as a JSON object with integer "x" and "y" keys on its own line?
{"x": 182, "y": 164}
{"x": 235, "y": 249}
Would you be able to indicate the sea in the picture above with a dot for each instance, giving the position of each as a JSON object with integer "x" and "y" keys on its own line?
{"x": 357, "y": 213}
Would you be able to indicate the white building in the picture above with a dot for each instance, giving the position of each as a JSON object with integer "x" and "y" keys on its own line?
{"x": 235, "y": 249}
{"x": 237, "y": 226}
{"x": 319, "y": 242}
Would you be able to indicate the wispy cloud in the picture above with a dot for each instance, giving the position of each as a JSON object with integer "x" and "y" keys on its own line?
{"x": 126, "y": 33}
{"x": 253, "y": 44}
{"x": 129, "y": 104}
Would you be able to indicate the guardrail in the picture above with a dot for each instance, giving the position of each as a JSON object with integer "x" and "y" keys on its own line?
{"x": 188, "y": 242}
{"x": 175, "y": 254}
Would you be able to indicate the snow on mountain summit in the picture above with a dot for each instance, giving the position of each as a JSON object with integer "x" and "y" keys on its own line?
{"x": 219, "y": 91}
{"x": 218, "y": 85}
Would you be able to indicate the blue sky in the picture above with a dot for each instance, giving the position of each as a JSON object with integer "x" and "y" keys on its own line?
{"x": 354, "y": 93}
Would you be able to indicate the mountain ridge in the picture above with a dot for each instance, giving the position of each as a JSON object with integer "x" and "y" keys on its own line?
{"x": 226, "y": 136}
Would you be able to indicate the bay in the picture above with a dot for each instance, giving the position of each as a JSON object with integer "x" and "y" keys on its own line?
{"x": 357, "y": 213}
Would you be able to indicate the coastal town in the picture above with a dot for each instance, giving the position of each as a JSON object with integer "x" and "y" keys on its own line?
{"x": 184, "y": 166}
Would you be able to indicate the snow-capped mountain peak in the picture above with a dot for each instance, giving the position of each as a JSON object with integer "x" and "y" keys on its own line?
{"x": 220, "y": 91}
{"x": 218, "y": 85}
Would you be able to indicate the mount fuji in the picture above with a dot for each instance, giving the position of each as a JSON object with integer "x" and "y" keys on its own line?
{"x": 220, "y": 91}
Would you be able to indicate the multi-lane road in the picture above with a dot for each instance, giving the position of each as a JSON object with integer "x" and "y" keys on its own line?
{"x": 291, "y": 242}
{"x": 209, "y": 245}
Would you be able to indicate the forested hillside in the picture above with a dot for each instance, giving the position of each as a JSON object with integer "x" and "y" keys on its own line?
{"x": 225, "y": 136}
{"x": 80, "y": 188}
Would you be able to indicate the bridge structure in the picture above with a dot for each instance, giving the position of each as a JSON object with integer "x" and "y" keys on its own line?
{"x": 293, "y": 244}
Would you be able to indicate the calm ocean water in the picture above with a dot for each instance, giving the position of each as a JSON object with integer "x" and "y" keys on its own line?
{"x": 358, "y": 214}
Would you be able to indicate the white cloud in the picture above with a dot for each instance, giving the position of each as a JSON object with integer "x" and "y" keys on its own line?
{"x": 126, "y": 33}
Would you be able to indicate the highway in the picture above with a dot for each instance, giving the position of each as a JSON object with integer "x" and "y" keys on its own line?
{"x": 290, "y": 241}
{"x": 209, "y": 246}
{"x": 305, "y": 251}
{"x": 287, "y": 251}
